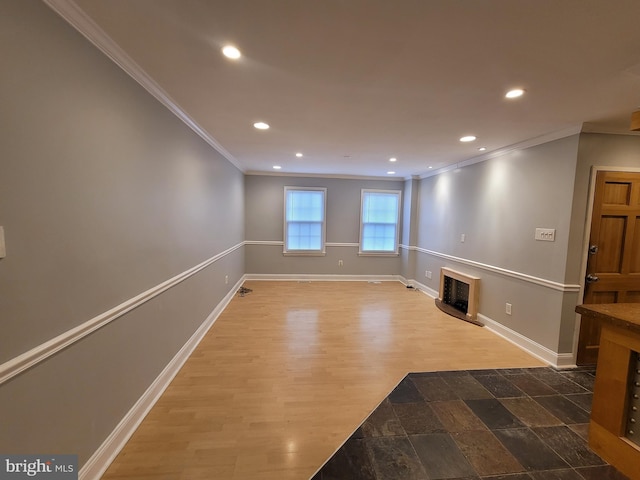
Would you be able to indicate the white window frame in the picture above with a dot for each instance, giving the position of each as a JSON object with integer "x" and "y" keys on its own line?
{"x": 322, "y": 250}
{"x": 396, "y": 250}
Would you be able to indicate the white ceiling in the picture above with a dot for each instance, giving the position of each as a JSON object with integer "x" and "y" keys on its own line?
{"x": 351, "y": 83}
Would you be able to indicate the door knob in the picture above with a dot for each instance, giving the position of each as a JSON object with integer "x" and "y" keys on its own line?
{"x": 593, "y": 249}
{"x": 592, "y": 278}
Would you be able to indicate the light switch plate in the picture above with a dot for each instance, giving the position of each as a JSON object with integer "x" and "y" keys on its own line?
{"x": 546, "y": 234}
{"x": 3, "y": 249}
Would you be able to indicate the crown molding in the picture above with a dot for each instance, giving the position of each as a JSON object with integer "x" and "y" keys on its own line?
{"x": 78, "y": 19}
{"x": 259, "y": 173}
{"x": 532, "y": 142}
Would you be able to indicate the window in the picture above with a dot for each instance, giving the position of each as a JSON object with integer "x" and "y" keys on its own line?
{"x": 304, "y": 220}
{"x": 379, "y": 221}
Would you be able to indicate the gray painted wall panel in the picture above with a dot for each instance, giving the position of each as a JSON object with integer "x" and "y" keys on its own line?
{"x": 103, "y": 194}
{"x": 265, "y": 216}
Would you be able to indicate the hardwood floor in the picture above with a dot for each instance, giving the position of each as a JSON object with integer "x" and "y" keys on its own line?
{"x": 290, "y": 370}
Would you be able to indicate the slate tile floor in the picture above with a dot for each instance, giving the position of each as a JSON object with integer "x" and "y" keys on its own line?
{"x": 513, "y": 424}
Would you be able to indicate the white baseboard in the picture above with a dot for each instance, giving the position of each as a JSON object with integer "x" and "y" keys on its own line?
{"x": 321, "y": 278}
{"x": 422, "y": 287}
{"x": 107, "y": 452}
{"x": 557, "y": 360}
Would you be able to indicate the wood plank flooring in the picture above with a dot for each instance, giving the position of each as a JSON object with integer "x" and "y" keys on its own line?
{"x": 289, "y": 371}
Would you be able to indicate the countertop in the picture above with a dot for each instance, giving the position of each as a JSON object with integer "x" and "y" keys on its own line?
{"x": 620, "y": 314}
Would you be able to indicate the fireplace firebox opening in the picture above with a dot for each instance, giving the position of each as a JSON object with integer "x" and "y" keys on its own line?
{"x": 458, "y": 295}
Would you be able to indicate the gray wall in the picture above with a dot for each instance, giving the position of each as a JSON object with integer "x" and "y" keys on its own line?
{"x": 498, "y": 204}
{"x": 103, "y": 195}
{"x": 264, "y": 218}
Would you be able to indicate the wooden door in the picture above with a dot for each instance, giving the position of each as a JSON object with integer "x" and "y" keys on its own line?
{"x": 613, "y": 267}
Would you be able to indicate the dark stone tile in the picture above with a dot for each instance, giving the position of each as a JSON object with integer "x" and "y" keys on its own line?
{"x": 394, "y": 458}
{"x": 456, "y": 416}
{"x": 562, "y": 408}
{"x": 382, "y": 422}
{"x": 480, "y": 373}
{"x": 569, "y": 446}
{"x": 405, "y": 392}
{"x": 530, "y": 412}
{"x": 558, "y": 382}
{"x": 357, "y": 434}
{"x": 531, "y": 385}
{"x": 352, "y": 461}
{"x": 414, "y": 375}
{"x": 565, "y": 474}
{"x": 493, "y": 413}
{"x": 582, "y": 430}
{"x": 529, "y": 450}
{"x": 583, "y": 400}
{"x": 486, "y": 454}
{"x": 515, "y": 476}
{"x": 441, "y": 456}
{"x": 605, "y": 472}
{"x": 467, "y": 387}
{"x": 512, "y": 371}
{"x": 454, "y": 373}
{"x": 499, "y": 386}
{"x": 434, "y": 389}
{"x": 582, "y": 378}
{"x": 418, "y": 418}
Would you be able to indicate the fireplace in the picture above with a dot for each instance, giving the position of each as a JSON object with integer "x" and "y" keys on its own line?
{"x": 458, "y": 295}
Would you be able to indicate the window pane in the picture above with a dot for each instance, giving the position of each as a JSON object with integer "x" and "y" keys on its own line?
{"x": 380, "y": 207}
{"x": 304, "y": 205}
{"x": 379, "y": 221}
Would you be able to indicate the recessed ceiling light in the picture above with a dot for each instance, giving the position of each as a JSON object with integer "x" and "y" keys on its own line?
{"x": 277, "y": 167}
{"x": 515, "y": 93}
{"x": 430, "y": 166}
{"x": 298, "y": 155}
{"x": 482, "y": 149}
{"x": 393, "y": 159}
{"x": 261, "y": 125}
{"x": 391, "y": 173}
{"x": 232, "y": 52}
{"x": 468, "y": 138}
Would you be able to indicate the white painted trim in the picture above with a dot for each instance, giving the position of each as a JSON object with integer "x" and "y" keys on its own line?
{"x": 561, "y": 287}
{"x": 107, "y": 452}
{"x": 559, "y": 360}
{"x": 532, "y": 142}
{"x": 276, "y": 243}
{"x": 533, "y": 348}
{"x": 284, "y": 277}
{"x": 43, "y": 351}
{"x": 259, "y": 173}
{"x": 281, "y": 243}
{"x": 79, "y": 20}
{"x": 430, "y": 292}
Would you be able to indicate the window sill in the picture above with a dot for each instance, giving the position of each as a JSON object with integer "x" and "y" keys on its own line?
{"x": 378, "y": 254}
{"x": 303, "y": 254}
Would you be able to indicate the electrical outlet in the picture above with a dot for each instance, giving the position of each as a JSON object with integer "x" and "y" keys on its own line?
{"x": 340, "y": 263}
{"x": 545, "y": 234}
{"x": 462, "y": 238}
{"x": 429, "y": 274}
{"x": 226, "y": 279}
{"x": 507, "y": 309}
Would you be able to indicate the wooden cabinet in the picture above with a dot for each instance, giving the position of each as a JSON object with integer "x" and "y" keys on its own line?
{"x": 611, "y": 434}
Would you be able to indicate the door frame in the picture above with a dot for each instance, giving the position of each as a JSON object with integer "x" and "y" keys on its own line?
{"x": 585, "y": 242}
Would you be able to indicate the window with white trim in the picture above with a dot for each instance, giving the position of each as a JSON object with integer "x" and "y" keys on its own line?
{"x": 379, "y": 221}
{"x": 304, "y": 220}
